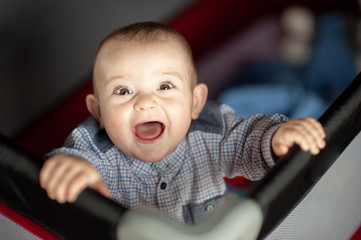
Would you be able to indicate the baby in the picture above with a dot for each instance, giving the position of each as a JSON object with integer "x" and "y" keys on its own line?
{"x": 152, "y": 138}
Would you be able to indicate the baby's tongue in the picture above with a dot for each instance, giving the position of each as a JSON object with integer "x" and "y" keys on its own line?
{"x": 149, "y": 130}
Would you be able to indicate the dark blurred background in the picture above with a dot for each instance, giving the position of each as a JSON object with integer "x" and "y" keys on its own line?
{"x": 292, "y": 57}
{"x": 47, "y": 47}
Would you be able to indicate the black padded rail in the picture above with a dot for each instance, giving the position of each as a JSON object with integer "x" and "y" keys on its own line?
{"x": 296, "y": 173}
{"x": 92, "y": 216}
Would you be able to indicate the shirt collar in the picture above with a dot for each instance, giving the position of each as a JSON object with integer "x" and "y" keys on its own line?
{"x": 168, "y": 165}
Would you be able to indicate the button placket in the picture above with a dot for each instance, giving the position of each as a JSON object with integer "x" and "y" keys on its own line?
{"x": 163, "y": 187}
{"x": 165, "y": 197}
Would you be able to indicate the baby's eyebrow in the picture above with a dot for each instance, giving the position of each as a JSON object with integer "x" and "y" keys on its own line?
{"x": 115, "y": 77}
{"x": 112, "y": 78}
{"x": 173, "y": 73}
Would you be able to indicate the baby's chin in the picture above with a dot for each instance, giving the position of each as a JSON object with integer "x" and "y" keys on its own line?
{"x": 154, "y": 152}
{"x": 150, "y": 157}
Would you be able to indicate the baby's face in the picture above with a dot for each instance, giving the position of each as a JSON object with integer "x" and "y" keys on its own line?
{"x": 145, "y": 96}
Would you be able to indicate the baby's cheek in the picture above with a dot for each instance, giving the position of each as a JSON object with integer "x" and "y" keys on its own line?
{"x": 118, "y": 131}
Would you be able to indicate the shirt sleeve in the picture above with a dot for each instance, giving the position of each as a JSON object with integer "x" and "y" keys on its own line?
{"x": 80, "y": 143}
{"x": 239, "y": 147}
{"x": 246, "y": 146}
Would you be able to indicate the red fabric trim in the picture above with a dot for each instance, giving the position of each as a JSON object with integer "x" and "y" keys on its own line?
{"x": 357, "y": 235}
{"x": 26, "y": 223}
{"x": 239, "y": 182}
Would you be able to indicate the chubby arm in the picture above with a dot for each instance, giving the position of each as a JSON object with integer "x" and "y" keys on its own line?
{"x": 65, "y": 177}
{"x": 308, "y": 133}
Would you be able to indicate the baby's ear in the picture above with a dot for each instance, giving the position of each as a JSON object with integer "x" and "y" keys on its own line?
{"x": 93, "y": 107}
{"x": 200, "y": 94}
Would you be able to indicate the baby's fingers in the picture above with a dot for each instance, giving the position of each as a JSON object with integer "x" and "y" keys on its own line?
{"x": 47, "y": 171}
{"x": 59, "y": 183}
{"x": 64, "y": 177}
{"x": 315, "y": 133}
{"x": 76, "y": 186}
{"x": 83, "y": 180}
{"x": 311, "y": 135}
{"x": 61, "y": 188}
{"x": 51, "y": 175}
{"x": 301, "y": 138}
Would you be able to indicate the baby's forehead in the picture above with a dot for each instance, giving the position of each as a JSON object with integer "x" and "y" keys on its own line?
{"x": 115, "y": 44}
{"x": 166, "y": 43}
{"x": 114, "y": 47}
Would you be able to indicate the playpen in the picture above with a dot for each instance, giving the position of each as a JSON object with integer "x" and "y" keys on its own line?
{"x": 302, "y": 197}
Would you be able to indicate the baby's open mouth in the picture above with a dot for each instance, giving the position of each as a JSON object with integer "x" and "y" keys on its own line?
{"x": 149, "y": 130}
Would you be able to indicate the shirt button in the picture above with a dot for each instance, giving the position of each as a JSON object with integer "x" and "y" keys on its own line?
{"x": 155, "y": 165}
{"x": 163, "y": 185}
{"x": 209, "y": 207}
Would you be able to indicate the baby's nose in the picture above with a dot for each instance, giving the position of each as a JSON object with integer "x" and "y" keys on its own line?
{"x": 145, "y": 102}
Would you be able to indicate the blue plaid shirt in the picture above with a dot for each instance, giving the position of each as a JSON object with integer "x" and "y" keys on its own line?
{"x": 188, "y": 183}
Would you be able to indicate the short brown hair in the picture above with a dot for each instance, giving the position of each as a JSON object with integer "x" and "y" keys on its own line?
{"x": 149, "y": 32}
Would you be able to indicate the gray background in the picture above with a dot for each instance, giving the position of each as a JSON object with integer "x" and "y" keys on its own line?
{"x": 47, "y": 47}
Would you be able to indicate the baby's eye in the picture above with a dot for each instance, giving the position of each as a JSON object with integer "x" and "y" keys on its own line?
{"x": 165, "y": 86}
{"x": 123, "y": 91}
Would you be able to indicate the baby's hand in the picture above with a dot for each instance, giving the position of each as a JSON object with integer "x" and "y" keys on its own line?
{"x": 308, "y": 133}
{"x": 65, "y": 177}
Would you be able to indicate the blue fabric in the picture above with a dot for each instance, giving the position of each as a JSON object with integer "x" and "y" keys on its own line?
{"x": 276, "y": 87}
{"x": 332, "y": 66}
{"x": 289, "y": 99}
